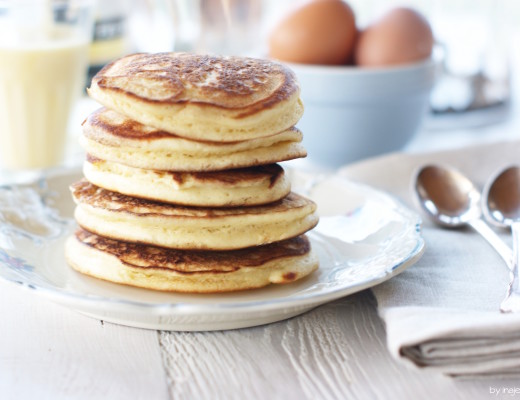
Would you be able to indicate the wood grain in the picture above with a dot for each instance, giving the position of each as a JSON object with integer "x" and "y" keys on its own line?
{"x": 50, "y": 352}
{"x": 336, "y": 351}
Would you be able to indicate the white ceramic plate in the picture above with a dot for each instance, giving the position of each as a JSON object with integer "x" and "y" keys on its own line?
{"x": 364, "y": 238}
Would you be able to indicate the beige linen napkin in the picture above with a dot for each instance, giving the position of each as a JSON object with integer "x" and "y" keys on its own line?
{"x": 443, "y": 313}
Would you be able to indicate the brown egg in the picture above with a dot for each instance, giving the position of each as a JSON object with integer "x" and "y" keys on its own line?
{"x": 320, "y": 32}
{"x": 401, "y": 36}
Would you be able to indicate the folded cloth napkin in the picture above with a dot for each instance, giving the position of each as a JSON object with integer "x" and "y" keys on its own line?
{"x": 443, "y": 313}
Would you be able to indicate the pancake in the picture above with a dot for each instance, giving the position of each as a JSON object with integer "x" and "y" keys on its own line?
{"x": 240, "y": 187}
{"x": 201, "y": 97}
{"x": 121, "y": 217}
{"x": 184, "y": 271}
{"x": 113, "y": 137}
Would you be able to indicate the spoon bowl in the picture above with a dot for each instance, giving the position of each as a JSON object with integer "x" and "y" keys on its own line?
{"x": 501, "y": 203}
{"x": 447, "y": 196}
{"x": 452, "y": 200}
{"x": 502, "y": 198}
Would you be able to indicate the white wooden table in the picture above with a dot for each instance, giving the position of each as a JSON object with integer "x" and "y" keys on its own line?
{"x": 336, "y": 351}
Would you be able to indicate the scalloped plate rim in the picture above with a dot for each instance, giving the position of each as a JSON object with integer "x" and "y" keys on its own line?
{"x": 78, "y": 300}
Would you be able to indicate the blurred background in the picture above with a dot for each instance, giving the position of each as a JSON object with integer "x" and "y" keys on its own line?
{"x": 476, "y": 36}
{"x": 475, "y": 45}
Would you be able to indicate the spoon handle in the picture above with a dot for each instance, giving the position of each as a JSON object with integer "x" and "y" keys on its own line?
{"x": 494, "y": 240}
{"x": 512, "y": 301}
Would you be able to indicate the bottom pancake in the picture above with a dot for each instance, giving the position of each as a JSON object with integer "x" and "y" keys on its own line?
{"x": 190, "y": 271}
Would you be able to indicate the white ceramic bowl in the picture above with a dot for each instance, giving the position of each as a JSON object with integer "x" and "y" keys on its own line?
{"x": 352, "y": 113}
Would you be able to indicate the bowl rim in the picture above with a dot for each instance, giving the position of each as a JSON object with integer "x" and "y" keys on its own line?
{"x": 352, "y": 70}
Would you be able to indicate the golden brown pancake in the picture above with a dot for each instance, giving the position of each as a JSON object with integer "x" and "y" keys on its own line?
{"x": 190, "y": 271}
{"x": 201, "y": 97}
{"x": 121, "y": 217}
{"x": 110, "y": 136}
{"x": 230, "y": 188}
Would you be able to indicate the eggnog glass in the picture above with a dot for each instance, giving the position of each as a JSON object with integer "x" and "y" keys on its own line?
{"x": 43, "y": 64}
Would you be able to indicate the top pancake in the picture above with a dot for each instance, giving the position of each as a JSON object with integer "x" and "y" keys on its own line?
{"x": 201, "y": 97}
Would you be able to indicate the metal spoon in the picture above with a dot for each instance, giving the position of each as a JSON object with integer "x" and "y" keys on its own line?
{"x": 502, "y": 207}
{"x": 452, "y": 200}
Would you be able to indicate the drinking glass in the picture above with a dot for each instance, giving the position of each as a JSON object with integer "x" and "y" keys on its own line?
{"x": 43, "y": 64}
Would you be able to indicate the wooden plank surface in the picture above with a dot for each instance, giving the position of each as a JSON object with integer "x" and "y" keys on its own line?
{"x": 50, "y": 352}
{"x": 336, "y": 351}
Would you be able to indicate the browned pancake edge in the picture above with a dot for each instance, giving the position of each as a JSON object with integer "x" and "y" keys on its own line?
{"x": 230, "y": 177}
{"x": 104, "y": 125}
{"x": 190, "y": 262}
{"x": 239, "y": 83}
{"x": 85, "y": 192}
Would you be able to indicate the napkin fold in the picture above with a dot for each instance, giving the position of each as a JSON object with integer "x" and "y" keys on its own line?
{"x": 453, "y": 341}
{"x": 443, "y": 313}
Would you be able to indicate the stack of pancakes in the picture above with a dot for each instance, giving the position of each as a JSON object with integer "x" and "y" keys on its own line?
{"x": 182, "y": 189}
